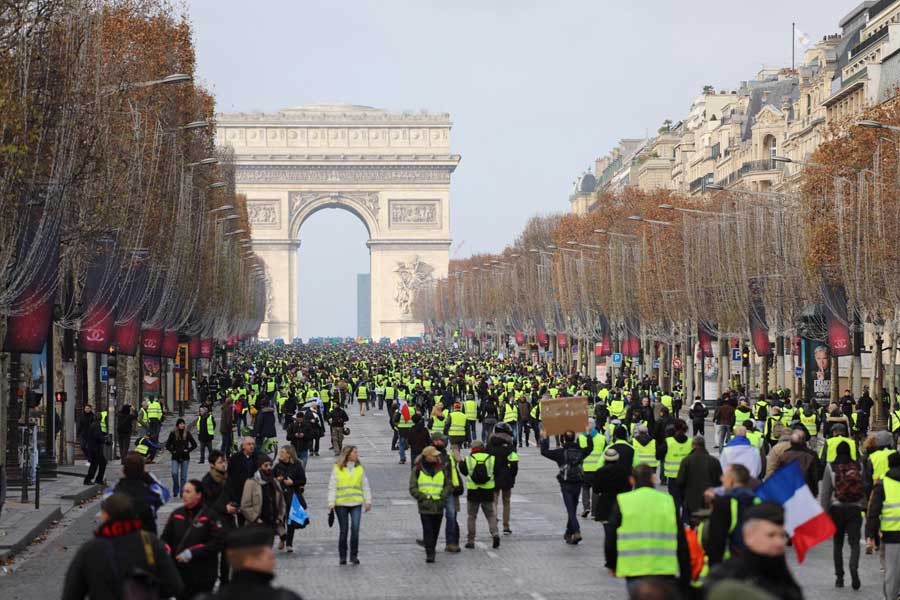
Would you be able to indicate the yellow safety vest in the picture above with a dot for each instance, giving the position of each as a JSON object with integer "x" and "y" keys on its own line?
{"x": 480, "y": 458}
{"x": 593, "y": 461}
{"x": 647, "y": 539}
{"x": 810, "y": 423}
{"x": 457, "y": 424}
{"x": 890, "y": 510}
{"x": 675, "y": 453}
{"x": 431, "y": 485}
{"x": 645, "y": 454}
{"x": 154, "y": 410}
{"x": 104, "y": 421}
{"x": 617, "y": 409}
{"x": 832, "y": 443}
{"x": 879, "y": 460}
{"x": 471, "y": 410}
{"x": 349, "y": 486}
{"x": 210, "y": 425}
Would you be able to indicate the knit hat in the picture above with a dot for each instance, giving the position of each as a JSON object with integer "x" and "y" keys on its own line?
{"x": 262, "y": 459}
{"x": 610, "y": 455}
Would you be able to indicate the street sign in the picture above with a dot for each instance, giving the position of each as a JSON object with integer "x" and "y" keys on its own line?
{"x": 676, "y": 363}
{"x": 656, "y": 363}
{"x": 736, "y": 355}
{"x": 104, "y": 375}
{"x": 617, "y": 358}
{"x": 798, "y": 372}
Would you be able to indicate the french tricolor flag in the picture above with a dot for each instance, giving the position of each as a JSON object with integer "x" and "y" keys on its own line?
{"x": 804, "y": 520}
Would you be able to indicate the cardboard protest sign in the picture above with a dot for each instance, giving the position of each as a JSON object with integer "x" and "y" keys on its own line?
{"x": 564, "y": 414}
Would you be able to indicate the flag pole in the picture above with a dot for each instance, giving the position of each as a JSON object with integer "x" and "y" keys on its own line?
{"x": 793, "y": 43}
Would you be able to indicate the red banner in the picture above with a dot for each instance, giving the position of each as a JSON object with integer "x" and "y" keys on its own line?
{"x": 705, "y": 339}
{"x": 194, "y": 346}
{"x": 759, "y": 328}
{"x": 151, "y": 342}
{"x": 206, "y": 348}
{"x": 126, "y": 336}
{"x": 520, "y": 338}
{"x": 562, "y": 339}
{"x": 170, "y": 344}
{"x": 150, "y": 375}
{"x": 542, "y": 338}
{"x": 598, "y": 349}
{"x": 97, "y": 329}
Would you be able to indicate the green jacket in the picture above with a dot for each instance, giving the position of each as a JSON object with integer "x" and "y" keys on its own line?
{"x": 427, "y": 505}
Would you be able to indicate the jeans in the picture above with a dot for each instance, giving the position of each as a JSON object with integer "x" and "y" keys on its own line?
{"x": 891, "y": 570}
{"x": 678, "y": 498}
{"x": 227, "y": 441}
{"x": 847, "y": 520}
{"x": 570, "y": 494}
{"x": 303, "y": 455}
{"x": 587, "y": 490}
{"x": 401, "y": 446}
{"x": 723, "y": 434}
{"x": 451, "y": 531}
{"x": 354, "y": 513}
{"x": 431, "y": 528}
{"x": 179, "y": 475}
{"x": 471, "y": 433}
{"x": 487, "y": 507}
{"x": 206, "y": 447}
{"x": 487, "y": 428}
{"x": 124, "y": 442}
{"x": 536, "y": 428}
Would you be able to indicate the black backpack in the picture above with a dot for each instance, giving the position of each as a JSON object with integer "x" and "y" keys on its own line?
{"x": 571, "y": 471}
{"x": 479, "y": 472}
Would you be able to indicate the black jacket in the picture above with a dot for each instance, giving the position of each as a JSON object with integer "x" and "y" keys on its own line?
{"x": 199, "y": 531}
{"x": 144, "y": 500}
{"x": 610, "y": 480}
{"x": 264, "y": 425}
{"x": 240, "y": 469}
{"x": 121, "y": 544}
{"x": 625, "y": 450}
{"x": 125, "y": 422}
{"x": 301, "y": 442}
{"x": 251, "y": 584}
{"x": 698, "y": 413}
{"x": 558, "y": 455}
{"x": 505, "y": 470}
{"x": 768, "y": 574}
{"x": 181, "y": 448}
{"x": 296, "y": 473}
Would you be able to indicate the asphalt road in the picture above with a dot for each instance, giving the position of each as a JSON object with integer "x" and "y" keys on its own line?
{"x": 532, "y": 563}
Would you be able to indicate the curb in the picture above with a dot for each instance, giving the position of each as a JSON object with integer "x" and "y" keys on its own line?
{"x": 23, "y": 542}
{"x": 86, "y": 494}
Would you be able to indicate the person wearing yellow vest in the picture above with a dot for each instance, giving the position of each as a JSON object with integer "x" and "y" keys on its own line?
{"x": 455, "y": 427}
{"x": 617, "y": 408}
{"x": 725, "y": 531}
{"x": 838, "y": 435}
{"x": 480, "y": 484}
{"x": 644, "y": 536}
{"x": 883, "y": 521}
{"x": 451, "y": 505}
{"x": 154, "y": 417}
{"x": 810, "y": 420}
{"x": 877, "y": 463}
{"x": 471, "y": 411}
{"x": 348, "y": 495}
{"x": 403, "y": 422}
{"x": 644, "y": 447}
{"x": 206, "y": 431}
{"x": 438, "y": 419}
{"x": 362, "y": 397}
{"x": 592, "y": 463}
{"x": 674, "y": 449}
{"x": 430, "y": 483}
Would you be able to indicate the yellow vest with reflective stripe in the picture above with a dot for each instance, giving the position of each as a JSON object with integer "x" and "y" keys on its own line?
{"x": 890, "y": 510}
{"x": 645, "y": 454}
{"x": 832, "y": 443}
{"x": 470, "y": 409}
{"x": 647, "y": 539}
{"x": 431, "y": 485}
{"x": 154, "y": 410}
{"x": 593, "y": 461}
{"x": 480, "y": 458}
{"x": 349, "y": 486}
{"x": 810, "y": 423}
{"x": 675, "y": 453}
{"x": 756, "y": 438}
{"x": 104, "y": 421}
{"x": 510, "y": 413}
{"x": 617, "y": 409}
{"x": 210, "y": 425}
{"x": 457, "y": 424}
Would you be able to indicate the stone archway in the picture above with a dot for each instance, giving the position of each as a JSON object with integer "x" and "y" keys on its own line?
{"x": 392, "y": 171}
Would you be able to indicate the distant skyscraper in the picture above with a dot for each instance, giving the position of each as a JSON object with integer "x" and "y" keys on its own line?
{"x": 363, "y": 304}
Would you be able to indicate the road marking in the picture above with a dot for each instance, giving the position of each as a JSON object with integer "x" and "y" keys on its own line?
{"x": 492, "y": 554}
{"x": 536, "y": 596}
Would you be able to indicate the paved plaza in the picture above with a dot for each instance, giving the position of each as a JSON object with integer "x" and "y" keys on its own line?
{"x": 532, "y": 563}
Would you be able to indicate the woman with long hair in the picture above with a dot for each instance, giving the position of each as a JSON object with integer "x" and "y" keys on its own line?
{"x": 180, "y": 444}
{"x": 290, "y": 474}
{"x": 348, "y": 494}
{"x": 192, "y": 535}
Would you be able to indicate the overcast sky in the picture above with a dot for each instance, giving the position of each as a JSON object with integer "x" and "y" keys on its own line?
{"x": 536, "y": 89}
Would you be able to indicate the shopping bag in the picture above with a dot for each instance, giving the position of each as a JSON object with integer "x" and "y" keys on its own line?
{"x": 298, "y": 514}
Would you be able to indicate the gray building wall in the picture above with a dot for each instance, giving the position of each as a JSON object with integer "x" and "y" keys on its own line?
{"x": 363, "y": 305}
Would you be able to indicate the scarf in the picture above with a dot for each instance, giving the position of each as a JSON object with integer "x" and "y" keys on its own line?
{"x": 217, "y": 476}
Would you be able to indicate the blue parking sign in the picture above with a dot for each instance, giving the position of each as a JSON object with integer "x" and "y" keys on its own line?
{"x": 617, "y": 358}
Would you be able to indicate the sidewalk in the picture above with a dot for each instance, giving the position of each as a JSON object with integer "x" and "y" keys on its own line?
{"x": 21, "y": 523}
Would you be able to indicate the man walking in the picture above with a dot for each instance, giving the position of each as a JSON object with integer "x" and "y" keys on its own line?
{"x": 480, "y": 484}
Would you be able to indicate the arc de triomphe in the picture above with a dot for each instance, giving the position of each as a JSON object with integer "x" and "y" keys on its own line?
{"x": 391, "y": 170}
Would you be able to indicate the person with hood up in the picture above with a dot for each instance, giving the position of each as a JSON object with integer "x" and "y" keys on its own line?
{"x": 762, "y": 563}
{"x": 262, "y": 501}
{"x": 264, "y": 425}
{"x": 506, "y": 466}
{"x": 570, "y": 458}
{"x": 698, "y": 414}
{"x": 430, "y": 483}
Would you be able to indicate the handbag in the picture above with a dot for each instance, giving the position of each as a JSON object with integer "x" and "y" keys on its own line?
{"x": 331, "y": 518}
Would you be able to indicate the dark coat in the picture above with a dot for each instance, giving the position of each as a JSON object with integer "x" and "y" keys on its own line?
{"x": 119, "y": 543}
{"x": 181, "y": 448}
{"x": 698, "y": 471}
{"x": 304, "y": 441}
{"x": 240, "y": 469}
{"x": 698, "y": 413}
{"x": 505, "y": 470}
{"x": 296, "y": 473}
{"x": 770, "y": 575}
{"x": 625, "y": 450}
{"x": 264, "y": 425}
{"x": 418, "y": 437}
{"x": 199, "y": 531}
{"x": 251, "y": 584}
{"x": 143, "y": 499}
{"x": 610, "y": 481}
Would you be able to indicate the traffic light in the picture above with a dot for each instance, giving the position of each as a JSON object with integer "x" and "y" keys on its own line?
{"x": 111, "y": 363}
{"x": 745, "y": 356}
{"x": 61, "y": 397}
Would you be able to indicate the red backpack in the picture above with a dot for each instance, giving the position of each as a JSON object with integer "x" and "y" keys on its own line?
{"x": 848, "y": 485}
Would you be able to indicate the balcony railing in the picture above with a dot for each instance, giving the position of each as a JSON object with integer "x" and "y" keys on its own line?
{"x": 700, "y": 182}
{"x": 869, "y": 41}
{"x": 753, "y": 166}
